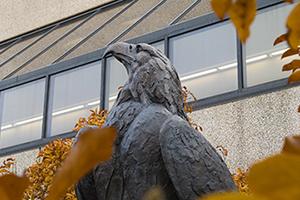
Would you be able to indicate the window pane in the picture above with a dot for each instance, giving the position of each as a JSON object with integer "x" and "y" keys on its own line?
{"x": 72, "y": 39}
{"x": 206, "y": 60}
{"x": 113, "y": 29}
{"x": 263, "y": 59}
{"x": 160, "y": 18}
{"x": 73, "y": 94}
{"x": 118, "y": 75}
{"x": 21, "y": 113}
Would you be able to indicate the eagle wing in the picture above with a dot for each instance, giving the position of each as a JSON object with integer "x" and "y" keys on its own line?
{"x": 193, "y": 165}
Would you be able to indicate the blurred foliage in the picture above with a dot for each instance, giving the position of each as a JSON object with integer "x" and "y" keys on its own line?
{"x": 12, "y": 187}
{"x": 7, "y": 166}
{"x": 41, "y": 173}
{"x": 241, "y": 13}
{"x": 187, "y": 95}
{"x": 240, "y": 180}
{"x": 96, "y": 118}
{"x": 93, "y": 146}
{"x": 51, "y": 157}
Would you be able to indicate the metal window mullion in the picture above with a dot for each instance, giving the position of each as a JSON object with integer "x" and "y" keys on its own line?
{"x": 117, "y": 38}
{"x": 166, "y": 46}
{"x": 104, "y": 85}
{"x": 186, "y": 11}
{"x": 10, "y": 45}
{"x": 241, "y": 64}
{"x": 46, "y": 108}
{"x": 28, "y": 46}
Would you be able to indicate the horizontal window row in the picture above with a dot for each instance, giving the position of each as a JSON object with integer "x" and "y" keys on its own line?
{"x": 205, "y": 59}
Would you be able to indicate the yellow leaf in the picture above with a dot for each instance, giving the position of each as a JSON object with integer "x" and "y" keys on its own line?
{"x": 93, "y": 146}
{"x": 280, "y": 39}
{"x": 242, "y": 14}
{"x": 294, "y": 77}
{"x": 221, "y": 7}
{"x": 275, "y": 176}
{"x": 292, "y": 145}
{"x": 231, "y": 196}
{"x": 293, "y": 25}
{"x": 295, "y": 64}
{"x": 3, "y": 195}
{"x": 290, "y": 52}
{"x": 13, "y": 186}
{"x": 154, "y": 193}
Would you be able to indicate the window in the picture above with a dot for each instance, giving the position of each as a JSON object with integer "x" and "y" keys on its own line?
{"x": 117, "y": 75}
{"x": 263, "y": 63}
{"x": 21, "y": 113}
{"x": 206, "y": 60}
{"x": 72, "y": 95}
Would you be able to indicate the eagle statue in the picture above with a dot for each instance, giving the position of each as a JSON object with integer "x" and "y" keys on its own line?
{"x": 155, "y": 145}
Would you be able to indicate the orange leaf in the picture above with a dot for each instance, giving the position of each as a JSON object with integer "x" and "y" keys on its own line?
{"x": 221, "y": 7}
{"x": 3, "y": 195}
{"x": 280, "y": 39}
{"x": 276, "y": 178}
{"x": 294, "y": 77}
{"x": 93, "y": 147}
{"x": 289, "y": 52}
{"x": 289, "y": 1}
{"x": 293, "y": 25}
{"x": 13, "y": 186}
{"x": 292, "y": 144}
{"x": 295, "y": 64}
{"x": 242, "y": 14}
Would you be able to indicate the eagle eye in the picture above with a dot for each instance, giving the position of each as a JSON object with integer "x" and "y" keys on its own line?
{"x": 138, "y": 48}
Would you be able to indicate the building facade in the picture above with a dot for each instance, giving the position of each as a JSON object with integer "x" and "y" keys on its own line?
{"x": 54, "y": 74}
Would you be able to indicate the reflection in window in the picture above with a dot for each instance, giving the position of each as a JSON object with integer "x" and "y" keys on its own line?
{"x": 263, "y": 59}
{"x": 206, "y": 60}
{"x": 73, "y": 94}
{"x": 21, "y": 113}
{"x": 117, "y": 74}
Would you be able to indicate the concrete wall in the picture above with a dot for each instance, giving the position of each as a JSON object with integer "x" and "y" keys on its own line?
{"x": 253, "y": 128}
{"x": 23, "y": 160}
{"x": 20, "y": 16}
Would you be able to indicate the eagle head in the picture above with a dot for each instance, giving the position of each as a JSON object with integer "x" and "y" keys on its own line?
{"x": 152, "y": 77}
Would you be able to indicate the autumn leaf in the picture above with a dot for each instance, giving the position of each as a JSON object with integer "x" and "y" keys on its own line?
{"x": 289, "y": 1}
{"x": 3, "y": 195}
{"x": 290, "y": 52}
{"x": 93, "y": 147}
{"x": 13, "y": 186}
{"x": 239, "y": 178}
{"x": 292, "y": 144}
{"x": 280, "y": 39}
{"x": 294, "y": 77}
{"x": 154, "y": 193}
{"x": 295, "y": 64}
{"x": 231, "y": 196}
{"x": 242, "y": 14}
{"x": 293, "y": 25}
{"x": 277, "y": 177}
{"x": 221, "y": 7}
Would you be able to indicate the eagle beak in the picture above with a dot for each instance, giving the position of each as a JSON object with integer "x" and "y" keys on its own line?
{"x": 122, "y": 52}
